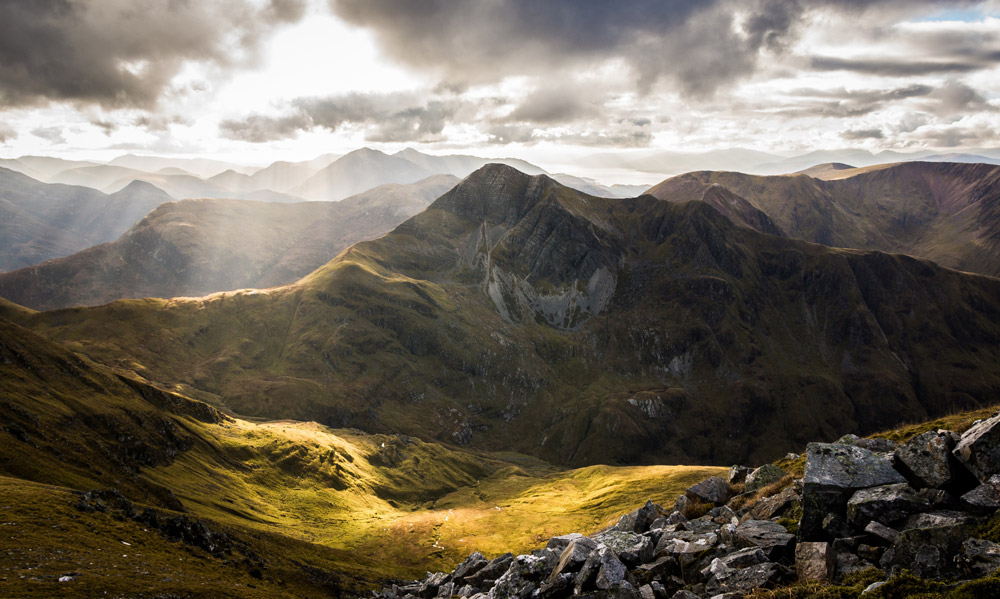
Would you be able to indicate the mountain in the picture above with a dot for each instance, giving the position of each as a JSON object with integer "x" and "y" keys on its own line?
{"x": 945, "y": 212}
{"x": 47, "y": 166}
{"x": 178, "y": 186}
{"x": 518, "y": 314}
{"x": 197, "y": 247}
{"x": 357, "y": 171}
{"x": 591, "y": 187}
{"x": 235, "y": 181}
{"x": 99, "y": 177}
{"x": 462, "y": 165}
{"x": 40, "y": 221}
{"x": 201, "y": 167}
{"x": 283, "y": 176}
{"x": 679, "y": 162}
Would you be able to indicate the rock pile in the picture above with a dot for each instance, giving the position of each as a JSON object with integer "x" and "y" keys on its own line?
{"x": 862, "y": 503}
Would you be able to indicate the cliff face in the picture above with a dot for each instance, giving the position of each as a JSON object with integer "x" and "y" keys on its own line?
{"x": 517, "y": 313}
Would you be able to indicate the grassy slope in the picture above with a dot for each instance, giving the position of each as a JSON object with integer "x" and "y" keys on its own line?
{"x": 312, "y": 501}
{"x": 712, "y": 329}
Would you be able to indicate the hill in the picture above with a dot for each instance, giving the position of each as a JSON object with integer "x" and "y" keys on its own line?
{"x": 205, "y": 505}
{"x": 39, "y": 221}
{"x": 516, "y": 313}
{"x": 197, "y": 247}
{"x": 357, "y": 171}
{"x": 945, "y": 212}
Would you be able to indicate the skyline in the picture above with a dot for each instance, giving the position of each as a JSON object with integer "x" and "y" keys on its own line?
{"x": 253, "y": 81}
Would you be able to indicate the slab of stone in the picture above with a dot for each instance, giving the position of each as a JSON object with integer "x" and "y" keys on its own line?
{"x": 814, "y": 561}
{"x": 772, "y": 538}
{"x": 926, "y": 459}
{"x": 847, "y": 467}
{"x": 764, "y": 476}
{"x": 985, "y": 497}
{"x": 979, "y": 448}
{"x": 887, "y": 504}
{"x": 714, "y": 490}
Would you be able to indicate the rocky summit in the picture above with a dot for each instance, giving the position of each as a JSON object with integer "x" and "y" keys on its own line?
{"x": 867, "y": 517}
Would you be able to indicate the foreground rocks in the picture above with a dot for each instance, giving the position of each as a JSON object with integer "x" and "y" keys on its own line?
{"x": 861, "y": 504}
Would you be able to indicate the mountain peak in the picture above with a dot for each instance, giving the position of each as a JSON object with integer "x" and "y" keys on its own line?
{"x": 496, "y": 193}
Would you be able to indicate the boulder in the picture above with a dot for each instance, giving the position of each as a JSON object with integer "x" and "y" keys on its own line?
{"x": 938, "y": 518}
{"x": 744, "y": 580}
{"x": 772, "y": 538}
{"x": 472, "y": 564}
{"x": 985, "y": 497}
{"x": 833, "y": 472}
{"x": 738, "y": 474}
{"x": 848, "y": 563}
{"x": 512, "y": 584}
{"x": 979, "y": 448}
{"x": 774, "y": 505}
{"x": 882, "y": 533}
{"x": 491, "y": 571}
{"x": 713, "y": 490}
{"x": 560, "y": 543}
{"x": 979, "y": 558}
{"x": 612, "y": 571}
{"x": 686, "y": 542}
{"x": 814, "y": 561}
{"x": 846, "y": 467}
{"x": 631, "y": 548}
{"x": 764, "y": 476}
{"x": 927, "y": 552}
{"x": 660, "y": 569}
{"x": 887, "y": 504}
{"x": 573, "y": 557}
{"x": 558, "y": 586}
{"x": 601, "y": 564}
{"x": 926, "y": 459}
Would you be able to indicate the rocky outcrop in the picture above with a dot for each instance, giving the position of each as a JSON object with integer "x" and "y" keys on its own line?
{"x": 862, "y": 503}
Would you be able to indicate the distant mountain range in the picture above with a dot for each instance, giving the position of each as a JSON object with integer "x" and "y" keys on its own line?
{"x": 945, "y": 212}
{"x": 39, "y": 221}
{"x": 197, "y": 247}
{"x": 516, "y": 313}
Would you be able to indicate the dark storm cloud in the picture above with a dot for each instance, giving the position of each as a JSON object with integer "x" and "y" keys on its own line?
{"x": 697, "y": 45}
{"x": 119, "y": 52}
{"x": 387, "y": 117}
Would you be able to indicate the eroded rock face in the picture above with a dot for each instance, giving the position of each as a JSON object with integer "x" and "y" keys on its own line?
{"x": 887, "y": 504}
{"x": 814, "y": 561}
{"x": 847, "y": 467}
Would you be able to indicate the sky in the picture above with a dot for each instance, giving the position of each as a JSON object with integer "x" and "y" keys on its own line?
{"x": 254, "y": 81}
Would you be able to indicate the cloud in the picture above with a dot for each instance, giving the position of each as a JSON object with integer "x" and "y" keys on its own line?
{"x": 53, "y": 135}
{"x": 957, "y": 98}
{"x": 845, "y": 103}
{"x": 7, "y": 133}
{"x": 119, "y": 53}
{"x": 891, "y": 68}
{"x": 856, "y": 134}
{"x": 388, "y": 117}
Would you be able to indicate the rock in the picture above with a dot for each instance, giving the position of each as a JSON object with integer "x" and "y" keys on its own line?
{"x": 873, "y": 586}
{"x": 774, "y": 505}
{"x": 446, "y": 590}
{"x": 472, "y": 564}
{"x": 686, "y": 542}
{"x": 631, "y": 548}
{"x": 703, "y": 524}
{"x": 491, "y": 571}
{"x": 560, "y": 585}
{"x": 833, "y": 472}
{"x": 743, "y": 580}
{"x": 926, "y": 459}
{"x": 979, "y": 558}
{"x": 612, "y": 571}
{"x": 848, "y": 563}
{"x": 887, "y": 504}
{"x": 681, "y": 505}
{"x": 927, "y": 552}
{"x": 941, "y": 518}
{"x": 882, "y": 532}
{"x": 684, "y": 595}
{"x": 646, "y": 592}
{"x": 836, "y": 527}
{"x": 871, "y": 553}
{"x": 676, "y": 517}
{"x": 713, "y": 490}
{"x": 574, "y": 556}
{"x": 560, "y": 543}
{"x": 466, "y": 591}
{"x": 660, "y": 569}
{"x": 979, "y": 448}
{"x": 814, "y": 561}
{"x": 847, "y": 467}
{"x": 645, "y": 516}
{"x": 620, "y": 590}
{"x": 512, "y": 585}
{"x": 985, "y": 497}
{"x": 792, "y": 456}
{"x": 764, "y": 476}
{"x": 938, "y": 498}
{"x": 659, "y": 523}
{"x": 738, "y": 474}
{"x": 722, "y": 514}
{"x": 748, "y": 556}
{"x": 771, "y": 537}
{"x": 727, "y": 533}
{"x": 584, "y": 580}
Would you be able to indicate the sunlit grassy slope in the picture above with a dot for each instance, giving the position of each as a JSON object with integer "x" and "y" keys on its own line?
{"x": 321, "y": 506}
